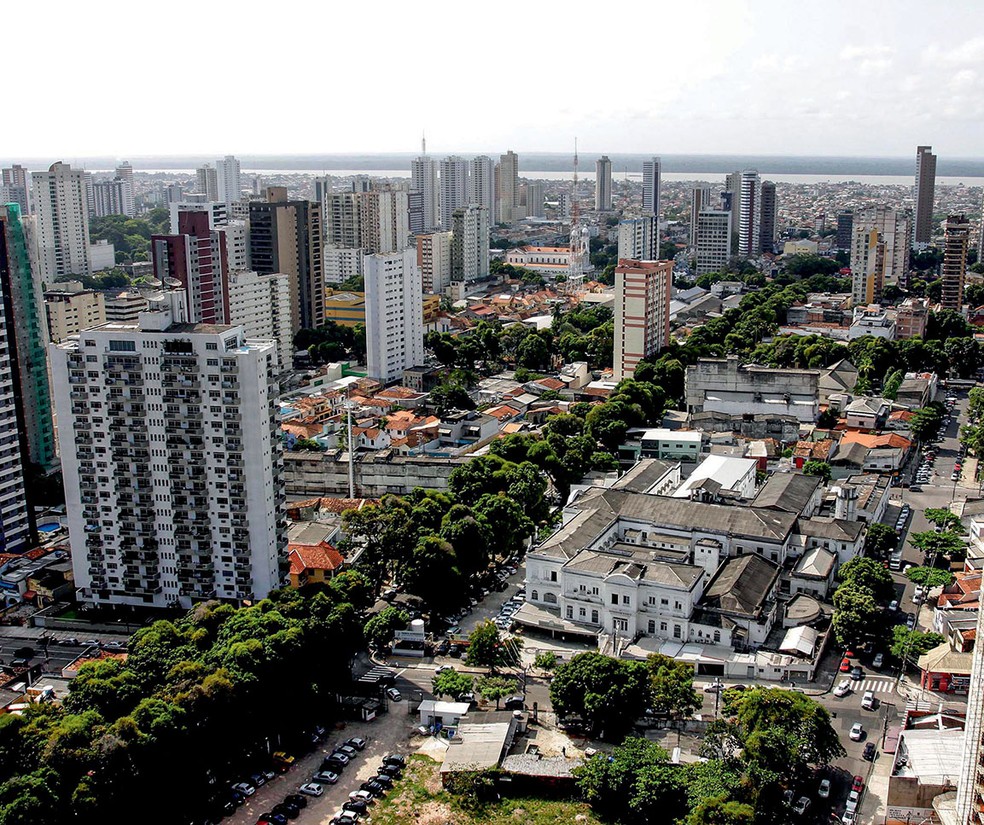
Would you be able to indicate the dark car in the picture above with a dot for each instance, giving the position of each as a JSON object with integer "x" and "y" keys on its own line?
{"x": 296, "y": 799}
{"x": 332, "y": 763}
{"x": 455, "y": 652}
{"x": 289, "y": 811}
{"x": 383, "y": 779}
{"x": 345, "y": 819}
{"x": 443, "y": 648}
{"x": 373, "y": 787}
{"x": 869, "y": 751}
{"x": 348, "y": 750}
{"x": 397, "y": 758}
{"x": 391, "y": 769}
{"x": 857, "y": 674}
{"x": 355, "y": 805}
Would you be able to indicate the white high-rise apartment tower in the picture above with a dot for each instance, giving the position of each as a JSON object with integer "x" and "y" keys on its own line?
{"x": 228, "y": 185}
{"x": 260, "y": 304}
{"x": 454, "y": 187}
{"x": 534, "y": 199}
{"x": 470, "y": 244}
{"x": 481, "y": 184}
{"x": 125, "y": 173}
{"x": 651, "y": 175}
{"x": 748, "y": 221}
{"x": 713, "y": 241}
{"x": 700, "y": 198}
{"x": 61, "y": 205}
{"x": 423, "y": 178}
{"x": 172, "y": 462}
{"x": 207, "y": 182}
{"x": 637, "y": 239}
{"x": 892, "y": 230}
{"x": 603, "y": 184}
{"x": 434, "y": 261}
{"x": 394, "y": 314}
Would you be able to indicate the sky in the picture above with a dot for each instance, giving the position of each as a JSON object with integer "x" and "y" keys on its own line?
{"x": 843, "y": 77}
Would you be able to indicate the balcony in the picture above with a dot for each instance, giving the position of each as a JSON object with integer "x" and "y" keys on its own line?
{"x": 583, "y": 596}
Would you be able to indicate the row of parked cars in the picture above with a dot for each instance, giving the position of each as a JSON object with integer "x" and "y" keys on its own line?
{"x": 504, "y": 620}
{"x": 358, "y": 802}
{"x": 802, "y": 804}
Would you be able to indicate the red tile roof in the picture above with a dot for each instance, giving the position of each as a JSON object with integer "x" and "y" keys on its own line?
{"x": 305, "y": 557}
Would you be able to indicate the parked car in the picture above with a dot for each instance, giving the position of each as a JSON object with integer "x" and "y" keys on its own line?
{"x": 849, "y": 818}
{"x": 396, "y": 759}
{"x": 394, "y": 695}
{"x": 363, "y": 796}
{"x": 878, "y": 661}
{"x": 843, "y": 688}
{"x": 258, "y": 779}
{"x": 357, "y": 742}
{"x": 384, "y": 779}
{"x": 325, "y": 777}
{"x": 348, "y": 750}
{"x": 845, "y": 665}
{"x": 869, "y": 751}
{"x": 857, "y": 732}
{"x": 858, "y": 783}
{"x": 868, "y": 701}
{"x": 853, "y": 798}
{"x": 392, "y": 770}
{"x": 244, "y": 788}
{"x": 372, "y": 787}
{"x": 857, "y": 674}
{"x": 802, "y": 805}
{"x": 824, "y": 790}
{"x": 340, "y": 756}
{"x": 311, "y": 789}
{"x": 910, "y": 621}
{"x": 357, "y": 805}
{"x": 296, "y": 799}
{"x": 893, "y": 605}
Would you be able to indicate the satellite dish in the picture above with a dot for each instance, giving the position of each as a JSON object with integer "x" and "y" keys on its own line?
{"x": 172, "y": 282}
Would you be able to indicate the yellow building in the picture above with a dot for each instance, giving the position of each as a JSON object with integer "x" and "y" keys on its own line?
{"x": 349, "y": 308}
{"x": 313, "y": 563}
{"x": 345, "y": 308}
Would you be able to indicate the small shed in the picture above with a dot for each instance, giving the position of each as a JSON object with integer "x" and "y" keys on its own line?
{"x": 445, "y": 714}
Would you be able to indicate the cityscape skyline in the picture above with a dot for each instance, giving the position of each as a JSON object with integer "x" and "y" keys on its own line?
{"x": 889, "y": 64}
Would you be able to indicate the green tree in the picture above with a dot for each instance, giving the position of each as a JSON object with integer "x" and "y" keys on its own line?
{"x": 863, "y": 573}
{"x": 452, "y": 683}
{"x": 720, "y": 810}
{"x": 672, "y": 685}
{"x": 909, "y": 645}
{"x": 817, "y": 468}
{"x": 880, "y": 540}
{"x": 939, "y": 545}
{"x": 802, "y": 724}
{"x": 856, "y": 615}
{"x": 608, "y": 694}
{"x": 379, "y": 629}
{"x": 496, "y": 688}
{"x": 432, "y": 573}
{"x": 635, "y": 784}
{"x": 545, "y": 661}
{"x": 930, "y": 576}
{"x": 943, "y": 518}
{"x": 925, "y": 422}
{"x": 487, "y": 648}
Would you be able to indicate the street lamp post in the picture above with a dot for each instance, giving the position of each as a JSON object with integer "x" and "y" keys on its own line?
{"x": 717, "y": 694}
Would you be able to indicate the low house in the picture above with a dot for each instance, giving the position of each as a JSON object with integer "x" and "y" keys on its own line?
{"x": 442, "y": 714}
{"x": 481, "y": 742}
{"x": 867, "y": 413}
{"x": 313, "y": 563}
{"x": 719, "y": 478}
{"x": 740, "y": 599}
{"x": 679, "y": 445}
{"x": 791, "y": 493}
{"x": 928, "y": 763}
{"x": 843, "y": 538}
{"x": 814, "y": 573}
{"x": 945, "y": 670}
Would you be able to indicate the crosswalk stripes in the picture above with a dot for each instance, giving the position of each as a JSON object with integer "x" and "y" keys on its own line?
{"x": 875, "y": 685}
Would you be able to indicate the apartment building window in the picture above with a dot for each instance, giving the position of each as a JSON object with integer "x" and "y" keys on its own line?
{"x": 582, "y": 612}
{"x": 717, "y": 635}
{"x": 535, "y": 596}
{"x": 652, "y": 626}
{"x": 652, "y": 600}
{"x": 570, "y": 612}
{"x": 664, "y": 602}
{"x": 614, "y": 598}
{"x": 662, "y": 626}
{"x": 553, "y": 575}
{"x": 594, "y": 617}
{"x": 678, "y": 605}
{"x": 626, "y": 600}
{"x": 677, "y": 632}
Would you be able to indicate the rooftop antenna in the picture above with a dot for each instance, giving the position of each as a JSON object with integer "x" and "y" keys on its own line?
{"x": 423, "y": 144}
{"x": 578, "y": 256}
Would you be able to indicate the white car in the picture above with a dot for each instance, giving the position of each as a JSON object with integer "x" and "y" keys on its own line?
{"x": 244, "y": 788}
{"x": 868, "y": 701}
{"x": 879, "y": 660}
{"x": 849, "y": 818}
{"x": 311, "y": 789}
{"x": 394, "y": 695}
{"x": 362, "y": 796}
{"x": 801, "y": 806}
{"x": 857, "y": 732}
{"x": 824, "y": 791}
{"x": 852, "y": 801}
{"x": 843, "y": 688}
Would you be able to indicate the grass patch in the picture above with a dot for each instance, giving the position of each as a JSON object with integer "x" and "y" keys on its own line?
{"x": 419, "y": 798}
